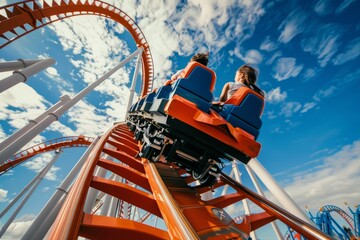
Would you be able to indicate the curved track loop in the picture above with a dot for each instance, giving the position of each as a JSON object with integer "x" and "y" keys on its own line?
{"x": 24, "y": 17}
{"x": 63, "y": 142}
{"x": 163, "y": 191}
{"x": 342, "y": 213}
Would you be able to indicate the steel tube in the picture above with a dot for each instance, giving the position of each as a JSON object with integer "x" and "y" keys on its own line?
{"x": 14, "y": 138}
{"x": 47, "y": 215}
{"x": 277, "y": 191}
{"x": 54, "y": 116}
{"x": 15, "y": 65}
{"x": 261, "y": 193}
{"x": 39, "y": 178}
{"x": 133, "y": 83}
{"x": 23, "y": 75}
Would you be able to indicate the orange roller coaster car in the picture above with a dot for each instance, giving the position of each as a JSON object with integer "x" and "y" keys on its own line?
{"x": 180, "y": 123}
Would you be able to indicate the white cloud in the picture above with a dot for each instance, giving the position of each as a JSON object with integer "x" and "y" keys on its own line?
{"x": 89, "y": 120}
{"x": 94, "y": 39}
{"x": 169, "y": 29}
{"x": 328, "y": 182}
{"x": 324, "y": 7}
{"x": 39, "y": 162}
{"x": 268, "y": 45}
{"x": 273, "y": 57}
{"x": 293, "y": 25}
{"x": 20, "y": 104}
{"x": 4, "y": 2}
{"x": 286, "y": 68}
{"x": 52, "y": 71}
{"x": 309, "y": 73}
{"x": 61, "y": 84}
{"x": 289, "y": 108}
{"x": 61, "y": 128}
{"x": 325, "y": 92}
{"x": 251, "y": 56}
{"x": 185, "y": 29}
{"x": 308, "y": 106}
{"x": 343, "y": 6}
{"x": 3, "y": 195}
{"x": 275, "y": 95}
{"x": 18, "y": 227}
{"x": 324, "y": 43}
{"x": 351, "y": 52}
{"x": 2, "y": 134}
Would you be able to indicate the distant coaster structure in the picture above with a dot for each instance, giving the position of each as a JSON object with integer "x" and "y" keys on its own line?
{"x": 113, "y": 190}
{"x": 329, "y": 225}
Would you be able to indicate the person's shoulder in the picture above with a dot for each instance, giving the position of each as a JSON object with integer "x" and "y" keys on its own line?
{"x": 239, "y": 84}
{"x": 227, "y": 85}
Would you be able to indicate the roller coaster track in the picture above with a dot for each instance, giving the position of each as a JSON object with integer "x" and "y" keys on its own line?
{"x": 19, "y": 19}
{"x": 63, "y": 142}
{"x": 342, "y": 213}
{"x": 163, "y": 190}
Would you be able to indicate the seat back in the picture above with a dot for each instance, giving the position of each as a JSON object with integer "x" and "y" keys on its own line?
{"x": 189, "y": 70}
{"x": 148, "y": 100}
{"x": 196, "y": 85}
{"x": 244, "y": 110}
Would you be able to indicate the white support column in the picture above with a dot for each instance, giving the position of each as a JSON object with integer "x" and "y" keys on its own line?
{"x": 47, "y": 215}
{"x": 261, "y": 193}
{"x": 15, "y": 65}
{"x": 54, "y": 116}
{"x": 277, "y": 191}
{"x": 15, "y": 138}
{"x": 39, "y": 178}
{"x": 134, "y": 80}
{"x": 237, "y": 175}
{"x": 15, "y": 143}
{"x": 22, "y": 75}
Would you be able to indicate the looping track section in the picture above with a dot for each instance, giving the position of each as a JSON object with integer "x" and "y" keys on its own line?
{"x": 19, "y": 19}
{"x": 163, "y": 191}
{"x": 54, "y": 144}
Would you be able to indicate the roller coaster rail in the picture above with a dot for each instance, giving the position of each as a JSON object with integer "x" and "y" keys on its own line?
{"x": 53, "y": 144}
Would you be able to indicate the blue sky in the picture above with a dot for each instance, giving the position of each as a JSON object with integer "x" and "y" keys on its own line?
{"x": 307, "y": 54}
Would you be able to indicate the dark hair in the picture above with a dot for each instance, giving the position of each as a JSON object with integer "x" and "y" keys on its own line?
{"x": 202, "y": 58}
{"x": 250, "y": 78}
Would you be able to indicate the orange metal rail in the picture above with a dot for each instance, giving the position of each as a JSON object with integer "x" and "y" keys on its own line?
{"x": 24, "y": 17}
{"x": 64, "y": 142}
{"x": 164, "y": 191}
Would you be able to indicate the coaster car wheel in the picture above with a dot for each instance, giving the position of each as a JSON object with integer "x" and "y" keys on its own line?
{"x": 208, "y": 176}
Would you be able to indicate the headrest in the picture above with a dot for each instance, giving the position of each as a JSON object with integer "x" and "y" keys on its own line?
{"x": 191, "y": 66}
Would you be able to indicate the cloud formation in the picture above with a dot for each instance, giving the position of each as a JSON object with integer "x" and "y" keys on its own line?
{"x": 18, "y": 227}
{"x": 38, "y": 163}
{"x": 352, "y": 51}
{"x": 292, "y": 25}
{"x": 276, "y": 96}
{"x": 321, "y": 184}
{"x": 3, "y": 195}
{"x": 286, "y": 68}
{"x": 324, "y": 43}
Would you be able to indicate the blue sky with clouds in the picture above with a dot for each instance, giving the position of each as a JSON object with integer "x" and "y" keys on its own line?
{"x": 307, "y": 54}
